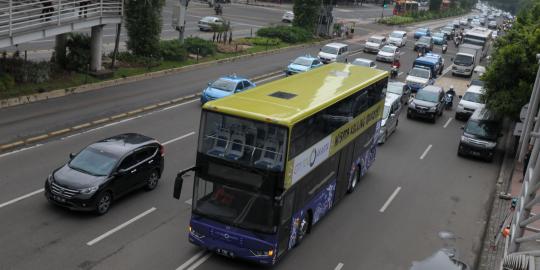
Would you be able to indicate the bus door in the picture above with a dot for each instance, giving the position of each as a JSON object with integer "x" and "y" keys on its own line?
{"x": 344, "y": 173}
{"x": 285, "y": 220}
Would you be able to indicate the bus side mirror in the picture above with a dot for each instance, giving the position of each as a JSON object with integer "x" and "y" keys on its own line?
{"x": 179, "y": 181}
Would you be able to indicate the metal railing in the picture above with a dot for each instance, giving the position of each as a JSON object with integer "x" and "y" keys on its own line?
{"x": 25, "y": 15}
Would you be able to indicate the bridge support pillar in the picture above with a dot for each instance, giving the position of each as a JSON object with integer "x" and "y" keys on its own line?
{"x": 60, "y": 49}
{"x": 95, "y": 48}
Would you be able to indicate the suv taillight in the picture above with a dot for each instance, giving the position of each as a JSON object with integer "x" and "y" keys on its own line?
{"x": 162, "y": 150}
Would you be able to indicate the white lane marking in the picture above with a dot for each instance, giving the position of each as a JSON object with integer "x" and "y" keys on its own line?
{"x": 339, "y": 266}
{"x": 21, "y": 198}
{"x": 387, "y": 203}
{"x": 121, "y": 226}
{"x": 179, "y": 138}
{"x": 270, "y": 78}
{"x": 188, "y": 201}
{"x": 446, "y": 70}
{"x": 98, "y": 128}
{"x": 191, "y": 260}
{"x": 448, "y": 122}
{"x": 199, "y": 262}
{"x": 426, "y": 151}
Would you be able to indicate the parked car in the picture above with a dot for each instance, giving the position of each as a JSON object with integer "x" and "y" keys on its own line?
{"x": 400, "y": 89}
{"x": 206, "y": 23}
{"x": 398, "y": 38}
{"x": 424, "y": 42}
{"x": 334, "y": 52}
{"x": 388, "y": 53}
{"x": 480, "y": 135}
{"x": 428, "y": 103}
{"x": 419, "y": 77}
{"x": 364, "y": 62}
{"x": 420, "y": 32}
{"x": 303, "y": 64}
{"x": 104, "y": 171}
{"x": 470, "y": 101}
{"x": 439, "y": 38}
{"x": 374, "y": 44}
{"x": 225, "y": 86}
{"x": 287, "y": 17}
{"x": 390, "y": 118}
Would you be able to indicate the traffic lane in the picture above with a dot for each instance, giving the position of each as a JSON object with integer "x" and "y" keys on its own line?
{"x": 58, "y": 113}
{"x": 49, "y": 230}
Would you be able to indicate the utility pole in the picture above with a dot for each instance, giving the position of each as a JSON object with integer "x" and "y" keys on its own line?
{"x": 383, "y": 6}
{"x": 179, "y": 18}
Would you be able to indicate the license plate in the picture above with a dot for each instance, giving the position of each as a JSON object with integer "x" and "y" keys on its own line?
{"x": 421, "y": 112}
{"x": 59, "y": 199}
{"x": 224, "y": 252}
{"x": 475, "y": 153}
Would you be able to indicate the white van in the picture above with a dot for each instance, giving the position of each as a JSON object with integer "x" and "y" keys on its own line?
{"x": 334, "y": 52}
{"x": 470, "y": 101}
{"x": 398, "y": 38}
{"x": 206, "y": 23}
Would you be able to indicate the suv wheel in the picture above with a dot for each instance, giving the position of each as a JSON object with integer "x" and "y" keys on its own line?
{"x": 152, "y": 180}
{"x": 104, "y": 202}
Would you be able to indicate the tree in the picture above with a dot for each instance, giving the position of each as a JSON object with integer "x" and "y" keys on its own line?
{"x": 143, "y": 24}
{"x": 306, "y": 14}
{"x": 510, "y": 76}
{"x": 435, "y": 5}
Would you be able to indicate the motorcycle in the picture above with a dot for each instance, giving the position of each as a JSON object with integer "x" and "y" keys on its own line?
{"x": 394, "y": 71}
{"x": 449, "y": 98}
{"x": 444, "y": 48}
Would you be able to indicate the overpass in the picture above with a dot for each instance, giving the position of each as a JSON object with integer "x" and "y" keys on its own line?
{"x": 23, "y": 21}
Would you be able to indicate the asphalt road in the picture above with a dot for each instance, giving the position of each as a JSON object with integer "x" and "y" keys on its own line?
{"x": 436, "y": 191}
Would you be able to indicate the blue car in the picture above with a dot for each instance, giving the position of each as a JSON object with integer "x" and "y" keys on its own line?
{"x": 420, "y": 32}
{"x": 225, "y": 86}
{"x": 439, "y": 38}
{"x": 303, "y": 64}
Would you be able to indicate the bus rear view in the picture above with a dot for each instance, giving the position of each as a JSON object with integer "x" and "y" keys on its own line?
{"x": 272, "y": 161}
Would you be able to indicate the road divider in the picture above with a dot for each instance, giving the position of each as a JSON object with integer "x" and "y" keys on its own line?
{"x": 121, "y": 226}
{"x": 390, "y": 199}
{"x": 426, "y": 151}
{"x": 21, "y": 198}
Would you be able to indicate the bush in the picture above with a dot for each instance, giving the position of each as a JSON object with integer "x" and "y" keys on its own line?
{"x": 396, "y": 20}
{"x": 25, "y": 71}
{"x": 422, "y": 15}
{"x": 200, "y": 46}
{"x": 289, "y": 34}
{"x": 260, "y": 41}
{"x": 6, "y": 82}
{"x": 78, "y": 52}
{"x": 172, "y": 50}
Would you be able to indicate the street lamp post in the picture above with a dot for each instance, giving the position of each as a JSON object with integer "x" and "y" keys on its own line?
{"x": 179, "y": 19}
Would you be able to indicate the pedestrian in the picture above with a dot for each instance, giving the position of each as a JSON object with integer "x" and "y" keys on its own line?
{"x": 47, "y": 10}
{"x": 83, "y": 8}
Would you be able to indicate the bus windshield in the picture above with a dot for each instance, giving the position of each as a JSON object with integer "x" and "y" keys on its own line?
{"x": 233, "y": 206}
{"x": 243, "y": 141}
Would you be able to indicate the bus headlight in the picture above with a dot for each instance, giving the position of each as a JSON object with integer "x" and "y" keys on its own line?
{"x": 268, "y": 253}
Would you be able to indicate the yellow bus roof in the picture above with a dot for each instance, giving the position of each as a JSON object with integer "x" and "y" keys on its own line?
{"x": 294, "y": 98}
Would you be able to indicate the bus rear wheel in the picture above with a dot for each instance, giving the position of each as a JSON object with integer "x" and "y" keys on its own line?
{"x": 354, "y": 181}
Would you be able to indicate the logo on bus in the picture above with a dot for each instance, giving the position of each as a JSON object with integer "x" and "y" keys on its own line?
{"x": 310, "y": 158}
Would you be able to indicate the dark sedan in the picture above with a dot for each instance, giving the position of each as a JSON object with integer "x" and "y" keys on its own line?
{"x": 428, "y": 103}
{"x": 104, "y": 171}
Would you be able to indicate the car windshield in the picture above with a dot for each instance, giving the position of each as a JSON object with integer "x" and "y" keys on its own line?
{"x": 396, "y": 35}
{"x": 388, "y": 49}
{"x": 329, "y": 50}
{"x": 419, "y": 72}
{"x": 473, "y": 97}
{"x": 374, "y": 40}
{"x": 224, "y": 84}
{"x": 243, "y": 141}
{"x": 386, "y": 112}
{"x": 448, "y": 29}
{"x": 484, "y": 129}
{"x": 424, "y": 39}
{"x": 360, "y": 62}
{"x": 233, "y": 206}
{"x": 477, "y": 82}
{"x": 438, "y": 34}
{"x": 302, "y": 62}
{"x": 395, "y": 88}
{"x": 421, "y": 30}
{"x": 94, "y": 161}
{"x": 463, "y": 60}
{"x": 429, "y": 96}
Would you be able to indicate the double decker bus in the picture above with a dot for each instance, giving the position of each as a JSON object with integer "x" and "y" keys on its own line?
{"x": 273, "y": 160}
{"x": 402, "y": 7}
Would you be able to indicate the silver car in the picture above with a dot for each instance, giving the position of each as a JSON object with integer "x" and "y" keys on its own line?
{"x": 374, "y": 44}
{"x": 364, "y": 63}
{"x": 390, "y": 119}
{"x": 388, "y": 53}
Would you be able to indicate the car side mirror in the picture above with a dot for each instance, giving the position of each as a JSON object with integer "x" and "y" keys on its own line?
{"x": 71, "y": 155}
{"x": 180, "y": 180}
{"x": 462, "y": 127}
{"x": 460, "y": 96}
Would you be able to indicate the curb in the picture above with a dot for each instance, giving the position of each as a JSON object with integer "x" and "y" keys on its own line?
{"x": 10, "y": 102}
{"x": 495, "y": 206}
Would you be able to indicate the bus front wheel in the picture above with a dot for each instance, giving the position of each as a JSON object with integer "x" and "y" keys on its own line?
{"x": 303, "y": 229}
{"x": 354, "y": 181}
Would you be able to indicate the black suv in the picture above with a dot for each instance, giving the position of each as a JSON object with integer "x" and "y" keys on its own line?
{"x": 480, "y": 135}
{"x": 428, "y": 103}
{"x": 106, "y": 170}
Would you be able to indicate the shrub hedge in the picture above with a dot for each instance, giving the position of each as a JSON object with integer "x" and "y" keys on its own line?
{"x": 198, "y": 45}
{"x": 289, "y": 34}
{"x": 172, "y": 50}
{"x": 422, "y": 15}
